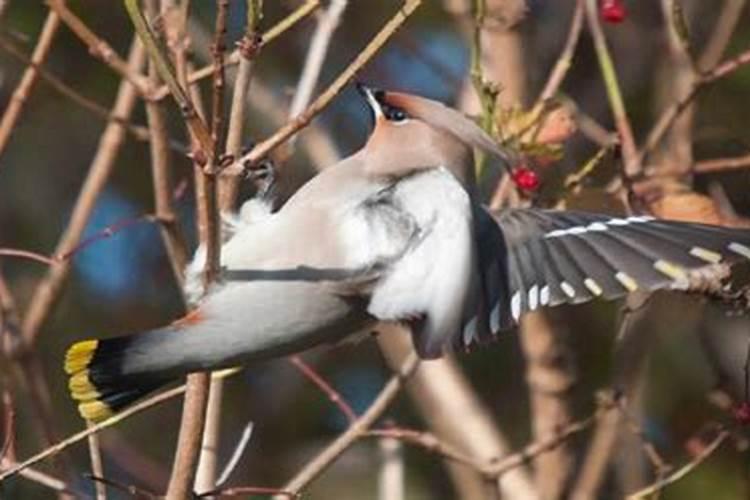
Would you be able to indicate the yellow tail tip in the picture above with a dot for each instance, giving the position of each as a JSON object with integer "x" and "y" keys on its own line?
{"x": 81, "y": 388}
{"x": 79, "y": 356}
{"x": 95, "y": 411}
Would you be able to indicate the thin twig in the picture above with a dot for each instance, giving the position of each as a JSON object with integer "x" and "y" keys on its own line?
{"x": 250, "y": 490}
{"x": 236, "y": 56}
{"x": 139, "y": 132}
{"x": 486, "y": 90}
{"x": 9, "y": 413}
{"x": 50, "y": 288}
{"x": 226, "y": 191}
{"x": 294, "y": 126}
{"x": 355, "y": 431}
{"x": 316, "y": 54}
{"x": 565, "y": 59}
{"x": 195, "y": 406}
{"x": 684, "y": 470}
{"x": 391, "y": 473}
{"x": 28, "y": 255}
{"x": 48, "y": 291}
{"x": 239, "y": 449}
{"x": 161, "y": 172}
{"x": 198, "y": 128}
{"x": 97, "y": 467}
{"x": 110, "y": 422}
{"x": 616, "y": 103}
{"x": 23, "y": 90}
{"x": 721, "y": 164}
{"x": 630, "y": 351}
{"x": 534, "y": 449}
{"x": 328, "y": 21}
{"x": 98, "y": 47}
{"x": 324, "y": 386}
{"x": 428, "y": 442}
{"x": 667, "y": 118}
{"x": 248, "y": 48}
{"x": 455, "y": 413}
{"x": 660, "y": 465}
{"x": 45, "y": 480}
{"x": 722, "y": 33}
{"x": 494, "y": 468}
{"x": 189, "y": 438}
{"x": 218, "y": 49}
{"x": 131, "y": 490}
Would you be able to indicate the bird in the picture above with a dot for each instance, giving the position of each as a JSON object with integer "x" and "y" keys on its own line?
{"x": 396, "y": 232}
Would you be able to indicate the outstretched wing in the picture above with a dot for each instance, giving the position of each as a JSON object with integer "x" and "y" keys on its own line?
{"x": 531, "y": 258}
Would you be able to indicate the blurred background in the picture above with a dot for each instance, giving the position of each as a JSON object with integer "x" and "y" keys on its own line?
{"x": 684, "y": 351}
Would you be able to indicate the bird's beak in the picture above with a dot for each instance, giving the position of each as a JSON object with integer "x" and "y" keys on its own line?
{"x": 369, "y": 95}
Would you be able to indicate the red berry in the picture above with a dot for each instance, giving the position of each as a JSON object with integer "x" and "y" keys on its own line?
{"x": 526, "y": 179}
{"x": 742, "y": 413}
{"x": 612, "y": 11}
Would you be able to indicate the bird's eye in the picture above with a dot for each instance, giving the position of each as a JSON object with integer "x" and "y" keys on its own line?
{"x": 395, "y": 114}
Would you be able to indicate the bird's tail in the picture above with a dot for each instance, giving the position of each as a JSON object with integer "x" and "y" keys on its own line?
{"x": 103, "y": 379}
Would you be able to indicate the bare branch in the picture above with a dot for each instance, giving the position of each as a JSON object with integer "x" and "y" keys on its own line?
{"x": 684, "y": 470}
{"x": 316, "y": 54}
{"x": 139, "y": 132}
{"x": 616, "y": 102}
{"x": 98, "y": 47}
{"x": 294, "y": 126}
{"x": 667, "y": 118}
{"x": 97, "y": 467}
{"x": 23, "y": 90}
{"x": 565, "y": 59}
{"x": 47, "y": 292}
{"x": 355, "y": 431}
{"x": 721, "y": 164}
{"x": 550, "y": 374}
{"x": 324, "y": 386}
{"x": 236, "y": 56}
{"x": 249, "y": 47}
{"x": 189, "y": 439}
{"x": 247, "y": 433}
{"x": 110, "y": 422}
{"x": 198, "y": 128}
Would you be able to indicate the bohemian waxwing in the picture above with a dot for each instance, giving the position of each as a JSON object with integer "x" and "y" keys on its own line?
{"x": 395, "y": 233}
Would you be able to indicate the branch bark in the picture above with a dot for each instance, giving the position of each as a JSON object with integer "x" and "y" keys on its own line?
{"x": 48, "y": 291}
{"x": 30, "y": 75}
{"x": 456, "y": 416}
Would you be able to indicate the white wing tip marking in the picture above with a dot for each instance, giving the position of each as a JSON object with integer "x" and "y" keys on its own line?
{"x": 627, "y": 281}
{"x": 515, "y": 306}
{"x": 598, "y": 226}
{"x": 618, "y": 222}
{"x": 533, "y": 297}
{"x": 739, "y": 249}
{"x": 593, "y": 286}
{"x": 495, "y": 319}
{"x": 544, "y": 295}
{"x": 568, "y": 289}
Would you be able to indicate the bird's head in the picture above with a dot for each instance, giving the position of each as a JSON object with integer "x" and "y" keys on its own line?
{"x": 412, "y": 133}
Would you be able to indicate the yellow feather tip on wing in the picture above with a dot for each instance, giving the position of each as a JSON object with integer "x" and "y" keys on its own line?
{"x": 79, "y": 356}
{"x": 95, "y": 411}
